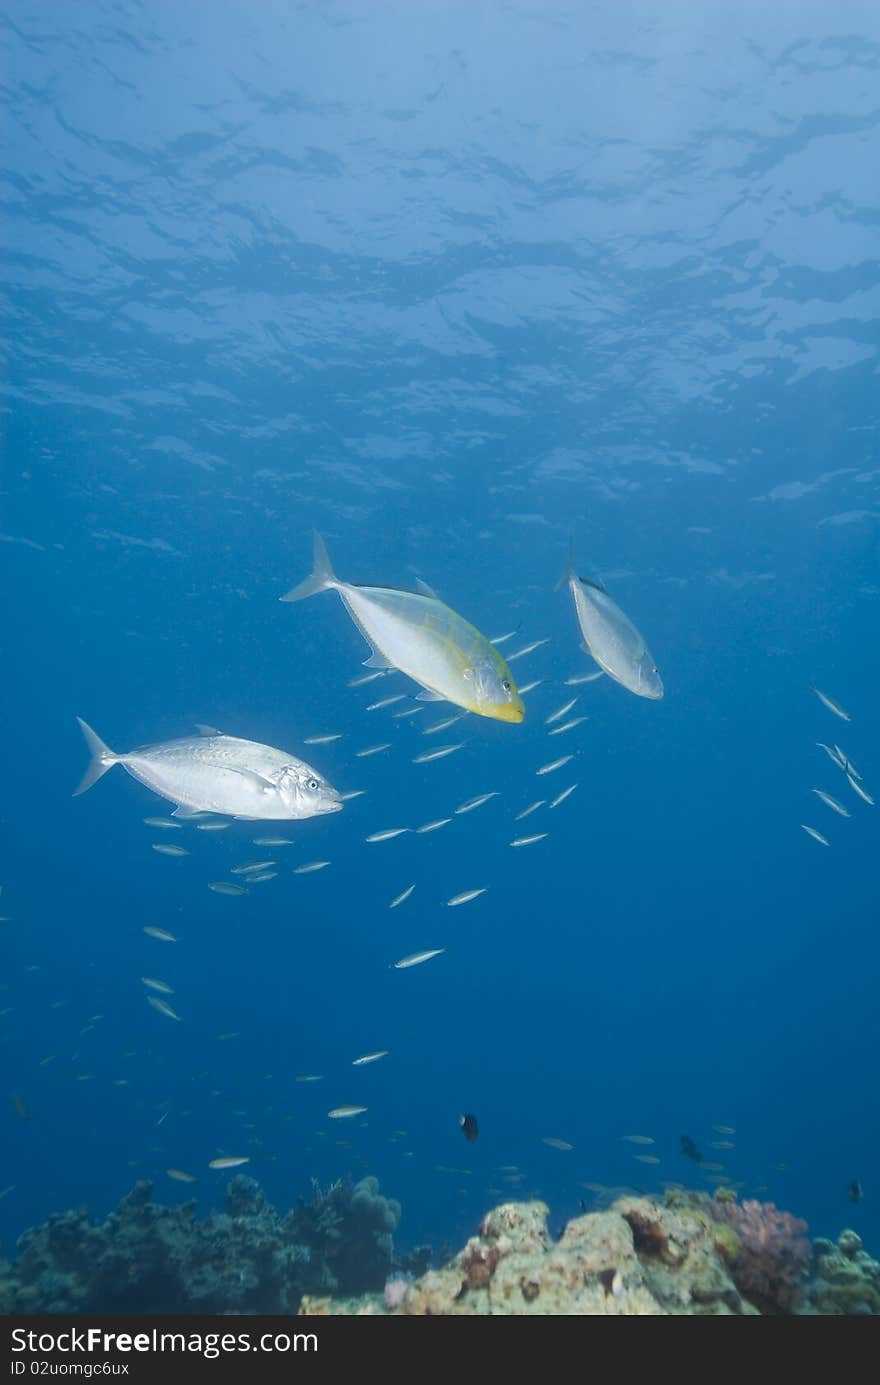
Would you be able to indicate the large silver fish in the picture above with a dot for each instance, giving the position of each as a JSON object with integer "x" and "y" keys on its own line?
{"x": 418, "y": 634}
{"x": 610, "y": 636}
{"x": 215, "y": 773}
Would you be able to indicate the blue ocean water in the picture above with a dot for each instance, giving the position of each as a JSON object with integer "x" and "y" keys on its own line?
{"x": 452, "y": 283}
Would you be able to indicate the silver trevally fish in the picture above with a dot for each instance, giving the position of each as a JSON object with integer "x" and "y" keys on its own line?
{"x": 610, "y": 636}
{"x": 418, "y": 634}
{"x": 219, "y": 774}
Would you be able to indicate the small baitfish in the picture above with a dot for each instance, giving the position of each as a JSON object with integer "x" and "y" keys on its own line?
{"x": 424, "y": 638}
{"x": 219, "y": 774}
{"x": 610, "y": 636}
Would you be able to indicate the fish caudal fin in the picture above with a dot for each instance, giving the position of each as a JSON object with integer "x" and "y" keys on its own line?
{"x": 322, "y": 578}
{"x": 566, "y": 571}
{"x": 103, "y": 758}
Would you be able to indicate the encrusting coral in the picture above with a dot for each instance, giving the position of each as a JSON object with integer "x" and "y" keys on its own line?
{"x": 146, "y": 1258}
{"x": 846, "y": 1279}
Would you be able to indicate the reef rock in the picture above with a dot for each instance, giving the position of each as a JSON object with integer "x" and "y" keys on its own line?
{"x": 638, "y": 1258}
{"x": 146, "y": 1258}
{"x": 846, "y": 1280}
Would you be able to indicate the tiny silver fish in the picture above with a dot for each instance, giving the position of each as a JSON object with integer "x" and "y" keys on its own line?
{"x": 432, "y": 826}
{"x": 554, "y": 764}
{"x": 526, "y": 649}
{"x": 832, "y": 803}
{"x": 399, "y": 898}
{"x": 817, "y": 836}
{"x": 439, "y": 754}
{"x": 533, "y": 807}
{"x": 465, "y": 897}
{"x": 560, "y": 712}
{"x": 471, "y": 803}
{"x": 527, "y": 841}
{"x": 416, "y": 958}
{"x": 387, "y": 834}
{"x": 832, "y": 706}
{"x": 561, "y": 797}
{"x": 372, "y": 750}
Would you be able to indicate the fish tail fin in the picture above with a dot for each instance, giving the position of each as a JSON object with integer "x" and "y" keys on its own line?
{"x": 567, "y": 570}
{"x": 321, "y": 579}
{"x": 103, "y": 758}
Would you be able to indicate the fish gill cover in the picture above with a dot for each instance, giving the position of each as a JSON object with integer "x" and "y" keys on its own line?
{"x": 460, "y": 297}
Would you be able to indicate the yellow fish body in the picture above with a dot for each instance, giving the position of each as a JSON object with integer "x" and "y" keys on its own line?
{"x": 418, "y": 634}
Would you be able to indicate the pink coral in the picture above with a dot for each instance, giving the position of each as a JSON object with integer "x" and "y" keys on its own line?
{"x": 773, "y": 1254}
{"x": 395, "y": 1290}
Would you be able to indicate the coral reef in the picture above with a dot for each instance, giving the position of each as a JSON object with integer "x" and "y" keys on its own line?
{"x": 846, "y": 1280}
{"x": 146, "y": 1258}
{"x": 770, "y": 1262}
{"x": 638, "y": 1258}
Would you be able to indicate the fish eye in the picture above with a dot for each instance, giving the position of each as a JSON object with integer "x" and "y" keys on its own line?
{"x": 506, "y": 684}
{"x": 312, "y": 784}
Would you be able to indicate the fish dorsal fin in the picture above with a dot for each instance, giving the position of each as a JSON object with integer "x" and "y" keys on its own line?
{"x": 182, "y": 811}
{"x": 597, "y": 586}
{"x": 425, "y": 590}
{"x": 205, "y": 730}
{"x": 427, "y": 695}
{"x": 378, "y": 660}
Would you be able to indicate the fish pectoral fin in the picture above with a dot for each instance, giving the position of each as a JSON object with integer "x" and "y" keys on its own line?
{"x": 378, "y": 660}
{"x": 205, "y": 730}
{"x": 425, "y": 590}
{"x": 428, "y": 695}
{"x": 183, "y": 811}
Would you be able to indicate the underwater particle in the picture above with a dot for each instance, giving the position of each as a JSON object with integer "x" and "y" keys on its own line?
{"x": 442, "y": 725}
{"x": 533, "y": 807}
{"x": 560, "y": 711}
{"x": 309, "y": 1077}
{"x": 212, "y": 826}
{"x": 162, "y": 934}
{"x": 502, "y": 639}
{"x": 386, "y": 702}
{"x": 610, "y": 637}
{"x": 180, "y": 1176}
{"x": 421, "y": 636}
{"x": 578, "y": 678}
{"x": 365, "y": 678}
{"x": 439, "y": 754}
{"x": 165, "y": 824}
{"x": 386, "y": 835}
{"x": 229, "y": 1161}
{"x": 833, "y": 754}
{"x": 639, "y": 1139}
{"x": 399, "y": 898}
{"x": 567, "y": 726}
{"x": 862, "y": 793}
{"x": 817, "y": 836}
{"x": 527, "y": 841}
{"x": 372, "y": 750}
{"x": 854, "y": 1191}
{"x": 561, "y": 797}
{"x": 226, "y": 887}
{"x": 155, "y": 984}
{"x": 323, "y": 740}
{"x": 164, "y": 849}
{"x": 831, "y": 802}
{"x": 469, "y": 1127}
{"x": 689, "y": 1149}
{"x": 554, "y": 764}
{"x": 369, "y": 1058}
{"x": 471, "y": 803}
{"x": 162, "y": 1007}
{"x": 250, "y": 866}
{"x": 647, "y": 1158}
{"x": 832, "y": 705}
{"x": 259, "y": 877}
{"x": 527, "y": 649}
{"x": 465, "y": 897}
{"x": 272, "y": 841}
{"x": 343, "y": 1112}
{"x": 554, "y": 1143}
{"x": 310, "y": 867}
{"x": 432, "y": 826}
{"x": 415, "y": 959}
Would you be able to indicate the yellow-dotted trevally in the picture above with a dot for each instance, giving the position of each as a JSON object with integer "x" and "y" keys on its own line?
{"x": 418, "y": 634}
{"x": 220, "y": 774}
{"x": 610, "y": 636}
